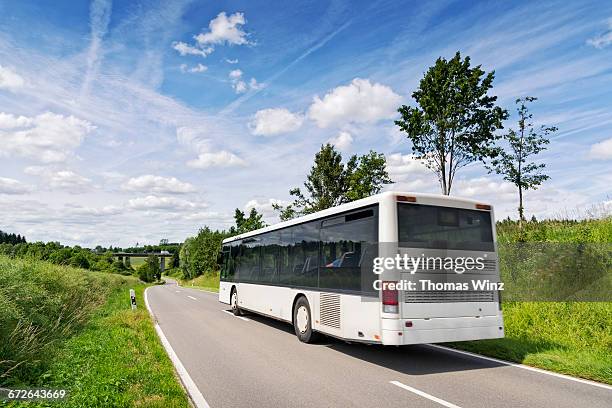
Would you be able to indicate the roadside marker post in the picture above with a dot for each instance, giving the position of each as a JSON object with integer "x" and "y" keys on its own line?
{"x": 133, "y": 299}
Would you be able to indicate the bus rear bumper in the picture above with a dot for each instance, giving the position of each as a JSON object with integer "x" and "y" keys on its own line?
{"x": 441, "y": 330}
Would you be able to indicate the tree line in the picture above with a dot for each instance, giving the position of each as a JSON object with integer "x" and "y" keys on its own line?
{"x": 11, "y": 238}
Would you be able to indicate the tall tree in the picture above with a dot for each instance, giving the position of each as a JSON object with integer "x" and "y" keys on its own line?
{"x": 514, "y": 163}
{"x": 455, "y": 119}
{"x": 331, "y": 182}
{"x": 245, "y": 224}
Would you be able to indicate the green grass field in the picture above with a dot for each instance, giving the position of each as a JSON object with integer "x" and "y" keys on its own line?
{"x": 573, "y": 338}
{"x": 109, "y": 357}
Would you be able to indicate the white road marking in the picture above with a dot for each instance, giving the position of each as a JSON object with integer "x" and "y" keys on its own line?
{"x": 233, "y": 315}
{"x": 192, "y": 389}
{"x": 191, "y": 297}
{"x": 425, "y": 395}
{"x": 177, "y": 291}
{"x": 524, "y": 367}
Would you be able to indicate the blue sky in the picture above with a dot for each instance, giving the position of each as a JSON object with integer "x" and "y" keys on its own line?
{"x": 125, "y": 122}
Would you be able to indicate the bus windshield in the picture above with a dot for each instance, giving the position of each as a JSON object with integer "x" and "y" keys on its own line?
{"x": 427, "y": 226}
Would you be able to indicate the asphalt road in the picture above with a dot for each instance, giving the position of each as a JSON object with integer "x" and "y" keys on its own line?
{"x": 258, "y": 362}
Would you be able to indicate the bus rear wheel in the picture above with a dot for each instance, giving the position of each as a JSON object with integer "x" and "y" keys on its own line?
{"x": 234, "y": 301}
{"x": 302, "y": 321}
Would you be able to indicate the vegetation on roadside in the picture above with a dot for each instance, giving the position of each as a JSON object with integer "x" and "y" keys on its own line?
{"x": 208, "y": 281}
{"x": 573, "y": 338}
{"x": 570, "y": 337}
{"x": 150, "y": 270}
{"x": 59, "y": 254}
{"x": 68, "y": 328}
{"x": 42, "y": 305}
{"x": 116, "y": 361}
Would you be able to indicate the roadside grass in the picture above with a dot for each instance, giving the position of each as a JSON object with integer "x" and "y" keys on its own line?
{"x": 72, "y": 329}
{"x": 41, "y": 305}
{"x": 116, "y": 361}
{"x": 558, "y": 231}
{"x": 573, "y": 338}
{"x": 208, "y": 281}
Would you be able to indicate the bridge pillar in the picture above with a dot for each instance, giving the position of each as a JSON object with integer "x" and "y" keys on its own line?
{"x": 162, "y": 263}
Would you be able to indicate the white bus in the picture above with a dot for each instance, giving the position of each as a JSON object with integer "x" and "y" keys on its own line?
{"x": 309, "y": 271}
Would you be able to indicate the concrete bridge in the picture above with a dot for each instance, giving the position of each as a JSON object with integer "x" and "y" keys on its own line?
{"x": 121, "y": 256}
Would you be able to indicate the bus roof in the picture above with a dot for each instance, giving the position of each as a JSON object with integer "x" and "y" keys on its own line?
{"x": 432, "y": 199}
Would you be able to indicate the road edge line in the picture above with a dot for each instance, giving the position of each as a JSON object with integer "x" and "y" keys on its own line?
{"x": 524, "y": 367}
{"x": 189, "y": 385}
{"x": 424, "y": 394}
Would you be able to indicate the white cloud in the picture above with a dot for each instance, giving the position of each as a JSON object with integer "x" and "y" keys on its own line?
{"x": 602, "y": 40}
{"x": 253, "y": 84}
{"x": 12, "y": 186}
{"x": 267, "y": 122}
{"x": 198, "y": 68}
{"x": 602, "y": 150}
{"x": 402, "y": 167}
{"x": 241, "y": 86}
{"x": 221, "y": 158}
{"x": 266, "y": 208}
{"x": 359, "y": 102}
{"x": 47, "y": 138}
{"x": 158, "y": 184}
{"x": 480, "y": 187}
{"x": 152, "y": 202}
{"x": 224, "y": 29}
{"x": 410, "y": 174}
{"x": 342, "y": 141}
{"x": 93, "y": 211}
{"x": 235, "y": 74}
{"x": 8, "y": 121}
{"x": 60, "y": 179}
{"x": 10, "y": 80}
{"x": 237, "y": 83}
{"x": 231, "y": 61}
{"x": 207, "y": 156}
{"x": 186, "y": 49}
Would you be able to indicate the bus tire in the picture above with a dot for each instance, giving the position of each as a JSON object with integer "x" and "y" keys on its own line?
{"x": 234, "y": 302}
{"x": 302, "y": 321}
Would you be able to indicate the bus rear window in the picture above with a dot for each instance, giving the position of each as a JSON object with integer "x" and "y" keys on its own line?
{"x": 427, "y": 226}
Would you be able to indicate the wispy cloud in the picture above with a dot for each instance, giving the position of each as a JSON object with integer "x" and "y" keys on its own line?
{"x": 99, "y": 16}
{"x": 604, "y": 39}
{"x": 235, "y": 104}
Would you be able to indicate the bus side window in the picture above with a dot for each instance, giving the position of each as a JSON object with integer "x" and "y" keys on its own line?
{"x": 344, "y": 249}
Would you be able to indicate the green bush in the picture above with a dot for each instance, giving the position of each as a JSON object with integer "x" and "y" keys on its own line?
{"x": 150, "y": 270}
{"x": 199, "y": 254}
{"x": 41, "y": 304}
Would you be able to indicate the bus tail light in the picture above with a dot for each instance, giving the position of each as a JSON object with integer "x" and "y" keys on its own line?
{"x": 390, "y": 298}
